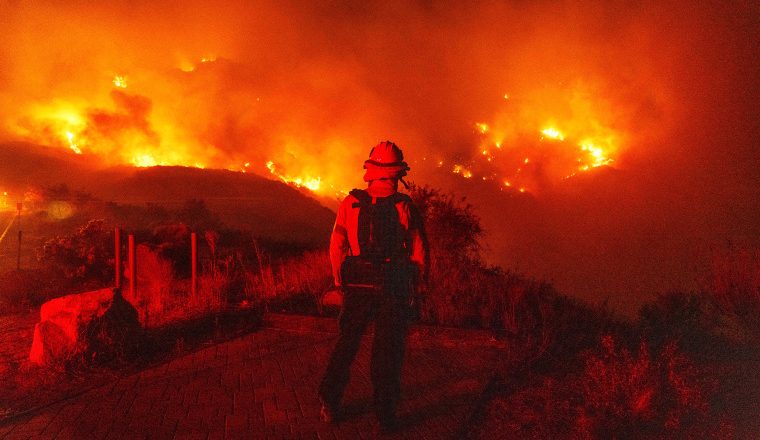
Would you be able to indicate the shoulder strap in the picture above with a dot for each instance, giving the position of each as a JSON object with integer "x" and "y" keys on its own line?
{"x": 401, "y": 197}
{"x": 362, "y": 196}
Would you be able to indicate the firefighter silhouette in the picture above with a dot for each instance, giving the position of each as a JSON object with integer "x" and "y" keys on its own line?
{"x": 377, "y": 253}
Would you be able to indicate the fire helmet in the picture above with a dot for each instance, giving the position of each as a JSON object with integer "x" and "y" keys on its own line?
{"x": 386, "y": 161}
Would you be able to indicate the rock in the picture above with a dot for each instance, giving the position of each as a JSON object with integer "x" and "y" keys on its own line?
{"x": 96, "y": 325}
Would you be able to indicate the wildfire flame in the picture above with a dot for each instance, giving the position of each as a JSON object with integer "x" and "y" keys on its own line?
{"x": 464, "y": 172}
{"x": 520, "y": 149}
{"x": 524, "y": 160}
{"x": 553, "y": 133}
{"x": 72, "y": 145}
{"x": 120, "y": 81}
{"x": 311, "y": 183}
{"x": 145, "y": 160}
{"x": 482, "y": 127}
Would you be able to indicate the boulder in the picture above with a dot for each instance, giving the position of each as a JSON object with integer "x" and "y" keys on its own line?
{"x": 95, "y": 325}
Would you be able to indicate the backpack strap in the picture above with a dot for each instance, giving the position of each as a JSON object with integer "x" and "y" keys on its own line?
{"x": 365, "y": 199}
{"x": 401, "y": 197}
{"x": 362, "y": 196}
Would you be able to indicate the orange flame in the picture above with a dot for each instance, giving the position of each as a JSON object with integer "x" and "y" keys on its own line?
{"x": 512, "y": 153}
{"x": 311, "y": 183}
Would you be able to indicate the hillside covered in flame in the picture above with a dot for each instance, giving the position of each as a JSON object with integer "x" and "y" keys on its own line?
{"x": 590, "y": 136}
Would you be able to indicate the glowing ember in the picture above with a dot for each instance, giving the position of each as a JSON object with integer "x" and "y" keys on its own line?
{"x": 120, "y": 81}
{"x": 482, "y": 127}
{"x": 597, "y": 154}
{"x": 72, "y": 145}
{"x": 464, "y": 172}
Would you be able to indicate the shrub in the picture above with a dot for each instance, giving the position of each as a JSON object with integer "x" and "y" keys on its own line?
{"x": 84, "y": 258}
{"x": 617, "y": 392}
{"x": 459, "y": 284}
{"x": 694, "y": 320}
{"x": 733, "y": 279}
{"x": 647, "y": 394}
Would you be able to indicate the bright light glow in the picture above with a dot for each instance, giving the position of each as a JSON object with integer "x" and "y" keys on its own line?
{"x": 461, "y": 170}
{"x": 144, "y": 160}
{"x": 60, "y": 210}
{"x": 72, "y": 145}
{"x": 597, "y": 154}
{"x": 553, "y": 133}
{"x": 482, "y": 127}
{"x": 120, "y": 81}
{"x": 309, "y": 182}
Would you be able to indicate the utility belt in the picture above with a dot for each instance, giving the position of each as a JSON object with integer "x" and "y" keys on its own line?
{"x": 389, "y": 276}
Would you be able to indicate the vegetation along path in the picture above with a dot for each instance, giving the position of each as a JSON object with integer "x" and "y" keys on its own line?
{"x": 263, "y": 385}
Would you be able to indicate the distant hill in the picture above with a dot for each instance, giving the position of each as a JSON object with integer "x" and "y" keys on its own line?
{"x": 23, "y": 165}
{"x": 268, "y": 209}
{"x": 265, "y": 207}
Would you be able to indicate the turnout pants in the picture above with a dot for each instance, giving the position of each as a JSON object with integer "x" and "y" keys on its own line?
{"x": 390, "y": 313}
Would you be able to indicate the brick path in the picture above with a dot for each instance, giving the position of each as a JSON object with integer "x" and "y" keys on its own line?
{"x": 263, "y": 385}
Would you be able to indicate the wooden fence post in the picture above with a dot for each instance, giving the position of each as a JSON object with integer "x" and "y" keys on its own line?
{"x": 18, "y": 256}
{"x": 132, "y": 266}
{"x": 117, "y": 257}
{"x": 193, "y": 263}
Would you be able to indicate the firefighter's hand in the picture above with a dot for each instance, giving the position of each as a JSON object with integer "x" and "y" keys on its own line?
{"x": 333, "y": 297}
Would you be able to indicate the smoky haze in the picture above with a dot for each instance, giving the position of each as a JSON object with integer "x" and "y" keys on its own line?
{"x": 670, "y": 90}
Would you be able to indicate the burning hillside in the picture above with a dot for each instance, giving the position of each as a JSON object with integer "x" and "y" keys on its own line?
{"x": 302, "y": 116}
{"x": 126, "y": 131}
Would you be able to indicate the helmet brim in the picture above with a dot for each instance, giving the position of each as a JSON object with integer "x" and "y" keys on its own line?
{"x": 385, "y": 171}
{"x": 399, "y": 165}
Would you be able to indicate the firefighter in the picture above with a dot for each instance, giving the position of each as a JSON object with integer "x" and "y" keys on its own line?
{"x": 378, "y": 256}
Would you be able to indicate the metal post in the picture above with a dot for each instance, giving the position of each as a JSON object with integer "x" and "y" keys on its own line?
{"x": 18, "y": 257}
{"x": 117, "y": 257}
{"x": 193, "y": 263}
{"x": 132, "y": 266}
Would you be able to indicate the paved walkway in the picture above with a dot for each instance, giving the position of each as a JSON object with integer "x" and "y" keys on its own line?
{"x": 263, "y": 385}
